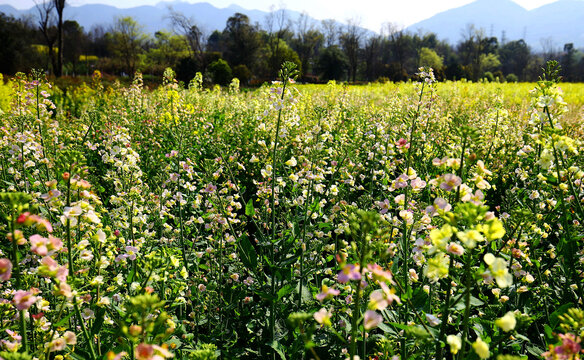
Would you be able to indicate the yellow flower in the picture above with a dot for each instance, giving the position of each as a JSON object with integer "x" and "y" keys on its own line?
{"x": 291, "y": 162}
{"x": 455, "y": 343}
{"x": 470, "y": 238}
{"x": 437, "y": 267}
{"x": 498, "y": 269}
{"x": 481, "y": 348}
{"x": 507, "y": 322}
{"x": 441, "y": 236}
{"x": 493, "y": 229}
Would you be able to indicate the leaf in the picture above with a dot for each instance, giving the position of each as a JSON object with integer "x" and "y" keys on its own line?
{"x": 476, "y": 302}
{"x": 131, "y": 275}
{"x": 249, "y": 209}
{"x": 247, "y": 253}
{"x": 533, "y": 350}
{"x": 64, "y": 320}
{"x": 285, "y": 291}
{"x": 385, "y": 328}
{"x": 99, "y": 318}
{"x": 561, "y": 310}
{"x": 279, "y": 349}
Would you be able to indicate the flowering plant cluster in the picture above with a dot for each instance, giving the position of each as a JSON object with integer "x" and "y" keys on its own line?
{"x": 394, "y": 221}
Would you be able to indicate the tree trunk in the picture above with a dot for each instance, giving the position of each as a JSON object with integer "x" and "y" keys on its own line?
{"x": 59, "y": 6}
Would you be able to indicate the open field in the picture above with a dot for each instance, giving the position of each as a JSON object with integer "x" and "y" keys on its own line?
{"x": 407, "y": 220}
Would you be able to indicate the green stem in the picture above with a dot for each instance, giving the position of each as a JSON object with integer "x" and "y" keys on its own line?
{"x": 466, "y": 318}
{"x": 17, "y": 275}
{"x": 445, "y": 315}
{"x": 357, "y": 304}
{"x": 273, "y": 208}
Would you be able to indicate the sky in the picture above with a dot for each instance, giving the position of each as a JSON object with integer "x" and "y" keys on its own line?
{"x": 371, "y": 14}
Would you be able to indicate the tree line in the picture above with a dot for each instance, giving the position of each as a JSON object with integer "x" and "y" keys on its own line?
{"x": 323, "y": 51}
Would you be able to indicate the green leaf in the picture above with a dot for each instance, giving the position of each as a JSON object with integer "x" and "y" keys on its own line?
{"x": 476, "y": 302}
{"x": 279, "y": 349}
{"x": 285, "y": 291}
{"x": 131, "y": 275}
{"x": 561, "y": 310}
{"x": 385, "y": 328}
{"x": 64, "y": 320}
{"x": 533, "y": 350}
{"x": 99, "y": 317}
{"x": 249, "y": 209}
{"x": 247, "y": 253}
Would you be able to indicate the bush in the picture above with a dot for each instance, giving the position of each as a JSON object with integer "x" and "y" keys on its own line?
{"x": 512, "y": 78}
{"x": 242, "y": 73}
{"x": 220, "y": 72}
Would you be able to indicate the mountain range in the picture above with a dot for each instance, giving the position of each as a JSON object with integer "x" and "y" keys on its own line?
{"x": 554, "y": 24}
{"x": 154, "y": 17}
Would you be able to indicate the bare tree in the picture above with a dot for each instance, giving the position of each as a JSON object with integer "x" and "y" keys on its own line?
{"x": 398, "y": 41}
{"x": 191, "y": 33}
{"x": 46, "y": 22}
{"x": 330, "y": 30}
{"x": 277, "y": 24}
{"x": 351, "y": 43}
{"x": 548, "y": 47}
{"x": 307, "y": 41}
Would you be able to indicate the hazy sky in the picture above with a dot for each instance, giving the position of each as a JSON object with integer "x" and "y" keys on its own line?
{"x": 370, "y": 13}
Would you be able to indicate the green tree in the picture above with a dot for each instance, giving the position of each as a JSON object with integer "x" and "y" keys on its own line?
{"x": 429, "y": 58}
{"x": 166, "y": 51}
{"x": 332, "y": 63}
{"x": 220, "y": 72}
{"x": 514, "y": 57}
{"x": 74, "y": 36}
{"x": 127, "y": 43}
{"x": 241, "y": 41}
{"x": 284, "y": 53}
{"x": 15, "y": 52}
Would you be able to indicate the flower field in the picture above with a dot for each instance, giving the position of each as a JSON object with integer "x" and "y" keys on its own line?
{"x": 389, "y": 221}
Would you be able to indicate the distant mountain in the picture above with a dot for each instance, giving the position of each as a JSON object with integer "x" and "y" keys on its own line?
{"x": 561, "y": 21}
{"x": 154, "y": 18}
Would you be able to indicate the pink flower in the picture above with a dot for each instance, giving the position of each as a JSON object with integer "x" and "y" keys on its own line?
{"x": 380, "y": 274}
{"x": 70, "y": 338}
{"x": 384, "y": 206}
{"x": 58, "y": 344}
{"x": 326, "y": 293}
{"x": 50, "y": 263}
{"x": 349, "y": 272}
{"x": 39, "y": 245}
{"x": 23, "y": 299}
{"x": 65, "y": 290}
{"x": 371, "y": 319}
{"x": 570, "y": 346}
{"x": 151, "y": 352}
{"x": 144, "y": 351}
{"x": 62, "y": 273}
{"x": 402, "y": 144}
{"x": 5, "y": 269}
{"x": 401, "y": 181}
{"x": 323, "y": 317}
{"x": 450, "y": 182}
